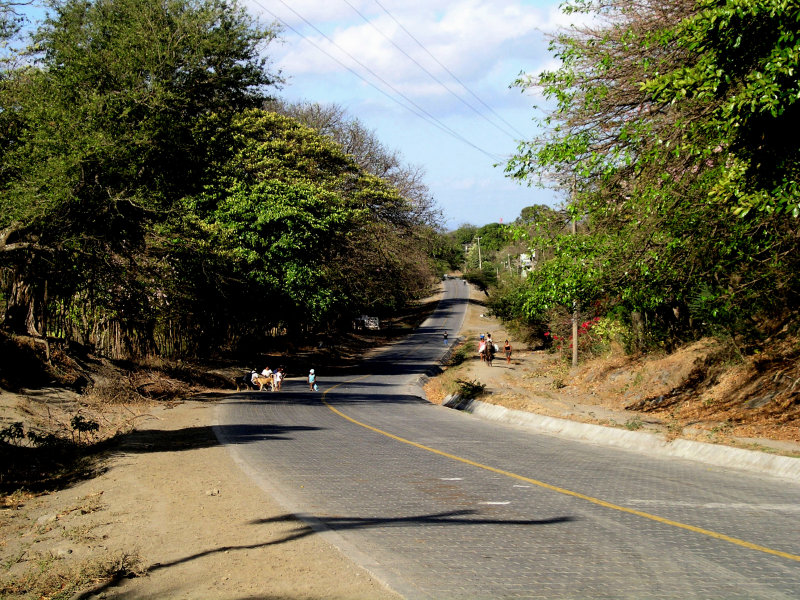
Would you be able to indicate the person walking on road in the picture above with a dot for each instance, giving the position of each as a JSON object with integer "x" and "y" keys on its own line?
{"x": 312, "y": 381}
{"x": 444, "y": 337}
{"x": 507, "y": 351}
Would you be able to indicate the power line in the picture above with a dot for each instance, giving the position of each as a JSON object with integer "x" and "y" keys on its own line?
{"x": 461, "y": 83}
{"x": 430, "y": 117}
{"x": 431, "y": 75}
{"x": 419, "y": 112}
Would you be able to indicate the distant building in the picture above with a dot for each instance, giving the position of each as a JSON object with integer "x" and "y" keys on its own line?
{"x": 526, "y": 262}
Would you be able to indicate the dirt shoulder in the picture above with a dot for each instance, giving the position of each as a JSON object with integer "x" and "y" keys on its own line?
{"x": 652, "y": 394}
{"x": 170, "y": 517}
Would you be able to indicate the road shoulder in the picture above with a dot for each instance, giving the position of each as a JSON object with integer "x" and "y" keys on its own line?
{"x": 538, "y": 388}
{"x": 173, "y": 505}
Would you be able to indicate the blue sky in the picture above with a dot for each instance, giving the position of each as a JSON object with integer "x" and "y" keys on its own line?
{"x": 485, "y": 44}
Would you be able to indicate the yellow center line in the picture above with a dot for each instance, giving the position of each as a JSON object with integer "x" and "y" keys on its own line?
{"x": 554, "y": 488}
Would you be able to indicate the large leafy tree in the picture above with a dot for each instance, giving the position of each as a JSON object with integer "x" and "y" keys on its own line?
{"x": 669, "y": 130}
{"x": 98, "y": 141}
{"x": 363, "y": 146}
{"x": 300, "y": 228}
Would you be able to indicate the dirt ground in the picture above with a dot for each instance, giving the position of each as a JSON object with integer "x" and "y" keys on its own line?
{"x": 169, "y": 515}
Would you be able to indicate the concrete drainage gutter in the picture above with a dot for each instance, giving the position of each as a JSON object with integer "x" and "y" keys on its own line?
{"x": 712, "y": 454}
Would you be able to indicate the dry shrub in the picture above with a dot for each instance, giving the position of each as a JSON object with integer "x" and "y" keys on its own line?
{"x": 114, "y": 392}
{"x": 56, "y": 579}
{"x": 158, "y": 386}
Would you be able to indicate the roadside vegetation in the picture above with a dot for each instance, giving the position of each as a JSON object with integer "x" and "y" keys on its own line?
{"x": 669, "y": 136}
{"x": 667, "y": 127}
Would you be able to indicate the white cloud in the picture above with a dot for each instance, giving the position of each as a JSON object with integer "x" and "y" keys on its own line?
{"x": 470, "y": 37}
{"x": 486, "y": 43}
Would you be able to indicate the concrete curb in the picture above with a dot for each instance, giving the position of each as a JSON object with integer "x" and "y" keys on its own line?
{"x": 416, "y": 385}
{"x": 711, "y": 454}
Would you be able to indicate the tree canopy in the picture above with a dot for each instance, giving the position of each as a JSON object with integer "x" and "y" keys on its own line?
{"x": 290, "y": 209}
{"x": 670, "y": 134}
{"x": 150, "y": 205}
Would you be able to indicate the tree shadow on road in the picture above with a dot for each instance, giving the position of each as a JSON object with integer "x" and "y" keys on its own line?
{"x": 449, "y": 518}
{"x": 310, "y": 524}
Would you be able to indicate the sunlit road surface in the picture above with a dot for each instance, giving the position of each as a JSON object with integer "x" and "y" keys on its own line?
{"x": 439, "y": 504}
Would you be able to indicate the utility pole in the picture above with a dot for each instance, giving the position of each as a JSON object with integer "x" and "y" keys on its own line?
{"x": 480, "y": 262}
{"x": 574, "y": 302}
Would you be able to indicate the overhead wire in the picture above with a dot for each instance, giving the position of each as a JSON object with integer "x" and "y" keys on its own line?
{"x": 449, "y": 72}
{"x": 419, "y": 112}
{"x": 428, "y": 116}
{"x": 423, "y": 68}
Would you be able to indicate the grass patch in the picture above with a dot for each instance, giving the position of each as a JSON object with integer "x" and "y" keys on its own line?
{"x": 50, "y": 577}
{"x": 460, "y": 354}
{"x": 634, "y": 424}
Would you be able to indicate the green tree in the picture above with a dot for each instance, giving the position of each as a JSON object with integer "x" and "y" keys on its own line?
{"x": 670, "y": 119}
{"x": 99, "y": 145}
{"x": 483, "y": 278}
{"x": 371, "y": 155}
{"x": 465, "y": 234}
{"x": 446, "y": 253}
{"x": 300, "y": 227}
{"x": 494, "y": 237}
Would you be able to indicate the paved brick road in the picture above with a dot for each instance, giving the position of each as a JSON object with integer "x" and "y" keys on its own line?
{"x": 461, "y": 508}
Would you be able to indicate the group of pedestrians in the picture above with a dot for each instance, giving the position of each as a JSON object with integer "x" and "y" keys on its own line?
{"x": 275, "y": 379}
{"x": 487, "y": 349}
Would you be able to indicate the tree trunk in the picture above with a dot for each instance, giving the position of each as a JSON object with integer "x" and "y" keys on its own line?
{"x": 26, "y": 312}
{"x": 21, "y": 309}
{"x": 637, "y": 322}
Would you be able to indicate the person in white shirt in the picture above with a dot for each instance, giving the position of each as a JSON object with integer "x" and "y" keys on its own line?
{"x": 277, "y": 377}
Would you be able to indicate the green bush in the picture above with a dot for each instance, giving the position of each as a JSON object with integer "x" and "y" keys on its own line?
{"x": 470, "y": 389}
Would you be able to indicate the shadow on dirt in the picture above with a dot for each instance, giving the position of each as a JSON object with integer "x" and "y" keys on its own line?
{"x": 52, "y": 467}
{"x": 62, "y": 463}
